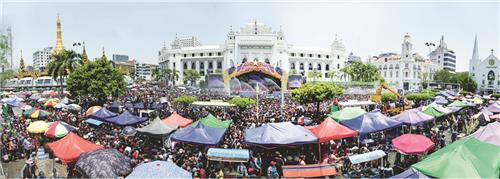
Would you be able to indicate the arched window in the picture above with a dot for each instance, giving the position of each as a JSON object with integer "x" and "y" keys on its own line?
{"x": 292, "y": 66}
{"x": 219, "y": 65}
{"x": 390, "y": 66}
{"x": 310, "y": 66}
{"x": 210, "y": 65}
{"x": 185, "y": 65}
{"x": 397, "y": 66}
{"x": 319, "y": 67}
{"x": 202, "y": 65}
{"x": 385, "y": 67}
{"x": 327, "y": 67}
{"x": 301, "y": 66}
{"x": 193, "y": 65}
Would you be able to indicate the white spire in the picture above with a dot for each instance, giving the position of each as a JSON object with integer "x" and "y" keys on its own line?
{"x": 475, "y": 53}
{"x": 441, "y": 42}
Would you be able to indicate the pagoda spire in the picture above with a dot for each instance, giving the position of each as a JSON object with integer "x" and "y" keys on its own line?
{"x": 103, "y": 53}
{"x": 59, "y": 43}
{"x": 85, "y": 57}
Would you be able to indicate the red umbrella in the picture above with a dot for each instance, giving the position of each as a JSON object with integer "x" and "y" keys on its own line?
{"x": 331, "y": 130}
{"x": 412, "y": 144}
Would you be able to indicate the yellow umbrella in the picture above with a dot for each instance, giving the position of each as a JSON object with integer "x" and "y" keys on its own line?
{"x": 51, "y": 103}
{"x": 38, "y": 127}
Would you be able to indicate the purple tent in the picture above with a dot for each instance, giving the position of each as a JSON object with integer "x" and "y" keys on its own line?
{"x": 201, "y": 134}
{"x": 139, "y": 105}
{"x": 35, "y": 96}
{"x": 413, "y": 117}
{"x": 489, "y": 133}
{"x": 495, "y": 108}
{"x": 273, "y": 135}
{"x": 371, "y": 122}
{"x": 441, "y": 100}
{"x": 125, "y": 119}
{"x": 410, "y": 173}
{"x": 102, "y": 114}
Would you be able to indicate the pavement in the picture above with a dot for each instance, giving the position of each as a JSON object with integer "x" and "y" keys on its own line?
{"x": 13, "y": 169}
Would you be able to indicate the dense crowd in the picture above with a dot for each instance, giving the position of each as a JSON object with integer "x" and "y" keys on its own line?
{"x": 17, "y": 144}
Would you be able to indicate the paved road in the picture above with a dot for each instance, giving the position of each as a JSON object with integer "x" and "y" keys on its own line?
{"x": 13, "y": 169}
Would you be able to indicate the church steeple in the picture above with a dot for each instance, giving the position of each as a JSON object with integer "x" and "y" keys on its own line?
{"x": 85, "y": 57}
{"x": 59, "y": 43}
{"x": 103, "y": 54}
{"x": 475, "y": 52}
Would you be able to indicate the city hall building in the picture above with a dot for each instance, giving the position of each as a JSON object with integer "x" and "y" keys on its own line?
{"x": 253, "y": 58}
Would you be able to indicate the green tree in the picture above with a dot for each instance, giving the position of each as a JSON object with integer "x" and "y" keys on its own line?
{"x": 418, "y": 97}
{"x": 62, "y": 64}
{"x": 358, "y": 71}
{"x": 314, "y": 74}
{"x": 242, "y": 103}
{"x": 465, "y": 81}
{"x": 443, "y": 76}
{"x": 185, "y": 99}
{"x": 293, "y": 72}
{"x": 96, "y": 79}
{"x": 332, "y": 74}
{"x": 174, "y": 76}
{"x": 191, "y": 76}
{"x": 316, "y": 93}
{"x": 166, "y": 74}
{"x": 21, "y": 64}
{"x": 4, "y": 48}
{"x": 156, "y": 74}
{"x": 387, "y": 97}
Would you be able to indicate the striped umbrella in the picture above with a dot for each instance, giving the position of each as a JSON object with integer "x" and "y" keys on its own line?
{"x": 37, "y": 114}
{"x": 27, "y": 112}
{"x": 37, "y": 127}
{"x": 50, "y": 103}
{"x": 59, "y": 129}
{"x": 92, "y": 110}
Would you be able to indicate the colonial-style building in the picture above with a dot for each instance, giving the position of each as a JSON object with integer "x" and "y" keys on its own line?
{"x": 485, "y": 72}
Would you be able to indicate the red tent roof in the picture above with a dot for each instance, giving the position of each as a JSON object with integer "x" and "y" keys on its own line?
{"x": 69, "y": 148}
{"x": 331, "y": 130}
{"x": 177, "y": 120}
{"x": 412, "y": 144}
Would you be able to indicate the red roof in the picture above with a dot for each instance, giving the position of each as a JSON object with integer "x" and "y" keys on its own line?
{"x": 69, "y": 148}
{"x": 331, "y": 130}
{"x": 177, "y": 120}
{"x": 412, "y": 144}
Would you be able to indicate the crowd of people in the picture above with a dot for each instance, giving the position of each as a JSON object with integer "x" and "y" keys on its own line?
{"x": 18, "y": 144}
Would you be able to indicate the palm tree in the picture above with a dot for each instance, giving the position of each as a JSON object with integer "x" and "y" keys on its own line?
{"x": 332, "y": 74}
{"x": 156, "y": 74}
{"x": 174, "y": 76}
{"x": 165, "y": 74}
{"x": 191, "y": 76}
{"x": 63, "y": 64}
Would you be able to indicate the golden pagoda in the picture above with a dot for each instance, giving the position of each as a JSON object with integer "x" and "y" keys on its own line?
{"x": 59, "y": 43}
{"x": 85, "y": 57}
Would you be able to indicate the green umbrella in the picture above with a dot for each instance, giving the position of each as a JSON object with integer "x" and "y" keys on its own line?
{"x": 466, "y": 158}
{"x": 212, "y": 121}
{"x": 430, "y": 110}
{"x": 27, "y": 112}
{"x": 457, "y": 103}
{"x": 347, "y": 113}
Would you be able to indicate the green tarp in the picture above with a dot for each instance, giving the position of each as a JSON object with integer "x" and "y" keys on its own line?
{"x": 212, "y": 121}
{"x": 334, "y": 108}
{"x": 430, "y": 110}
{"x": 466, "y": 158}
{"x": 457, "y": 103}
{"x": 347, "y": 113}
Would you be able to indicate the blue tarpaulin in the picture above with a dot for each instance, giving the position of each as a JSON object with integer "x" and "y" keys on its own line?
{"x": 159, "y": 169}
{"x": 102, "y": 114}
{"x": 441, "y": 100}
{"x": 115, "y": 105}
{"x": 94, "y": 122}
{"x": 199, "y": 134}
{"x": 410, "y": 173}
{"x": 128, "y": 104}
{"x": 228, "y": 155}
{"x": 275, "y": 134}
{"x": 371, "y": 122}
{"x": 125, "y": 119}
{"x": 139, "y": 105}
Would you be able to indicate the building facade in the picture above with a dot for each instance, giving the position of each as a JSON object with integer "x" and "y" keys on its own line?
{"x": 256, "y": 43}
{"x": 444, "y": 57}
{"x": 119, "y": 57}
{"x": 406, "y": 71}
{"x": 144, "y": 71}
{"x": 485, "y": 72}
{"x": 41, "y": 58}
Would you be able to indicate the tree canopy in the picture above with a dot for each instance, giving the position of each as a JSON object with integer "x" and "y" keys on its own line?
{"x": 359, "y": 71}
{"x": 191, "y": 76}
{"x": 462, "y": 78}
{"x": 96, "y": 79}
{"x": 316, "y": 93}
{"x": 242, "y": 102}
{"x": 185, "y": 99}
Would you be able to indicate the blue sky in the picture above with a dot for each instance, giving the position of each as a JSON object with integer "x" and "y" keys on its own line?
{"x": 138, "y": 29}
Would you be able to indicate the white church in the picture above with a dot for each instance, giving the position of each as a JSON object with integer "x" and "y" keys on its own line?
{"x": 486, "y": 72}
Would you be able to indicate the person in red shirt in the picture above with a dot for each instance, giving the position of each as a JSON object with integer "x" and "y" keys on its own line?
{"x": 135, "y": 155}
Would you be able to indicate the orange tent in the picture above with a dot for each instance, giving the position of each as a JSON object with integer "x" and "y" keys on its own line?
{"x": 177, "y": 120}
{"x": 331, "y": 130}
{"x": 69, "y": 148}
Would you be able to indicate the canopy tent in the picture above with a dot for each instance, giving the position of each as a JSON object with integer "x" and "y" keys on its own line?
{"x": 102, "y": 114}
{"x": 454, "y": 109}
{"x": 94, "y": 122}
{"x": 495, "y": 108}
{"x": 65, "y": 100}
{"x": 465, "y": 158}
{"x": 199, "y": 134}
{"x": 115, "y": 105}
{"x": 411, "y": 173}
{"x": 360, "y": 158}
{"x": 276, "y": 134}
{"x": 38, "y": 114}
{"x": 438, "y": 107}
{"x": 212, "y": 121}
{"x": 59, "y": 129}
{"x": 37, "y": 127}
{"x": 489, "y": 133}
{"x": 309, "y": 171}
{"x": 371, "y": 122}
{"x": 159, "y": 169}
{"x": 331, "y": 130}
{"x": 129, "y": 104}
{"x": 60, "y": 105}
{"x": 432, "y": 111}
{"x": 178, "y": 120}
{"x": 412, "y": 144}
{"x": 228, "y": 155}
{"x": 347, "y": 113}
{"x": 92, "y": 110}
{"x": 413, "y": 117}
{"x": 156, "y": 127}
{"x": 73, "y": 107}
{"x": 139, "y": 105}
{"x": 50, "y": 103}
{"x": 352, "y": 103}
{"x": 125, "y": 119}
{"x": 35, "y": 96}
{"x": 457, "y": 103}
{"x": 104, "y": 163}
{"x": 440, "y": 100}
{"x": 477, "y": 101}
{"x": 69, "y": 148}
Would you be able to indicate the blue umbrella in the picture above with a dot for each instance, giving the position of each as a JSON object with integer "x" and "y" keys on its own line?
{"x": 125, "y": 119}
{"x": 128, "y": 104}
{"x": 159, "y": 169}
{"x": 102, "y": 114}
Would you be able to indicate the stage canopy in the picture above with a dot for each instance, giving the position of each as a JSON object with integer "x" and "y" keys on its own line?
{"x": 331, "y": 130}
{"x": 102, "y": 114}
{"x": 371, "y": 122}
{"x": 413, "y": 117}
{"x": 125, "y": 119}
{"x": 212, "y": 121}
{"x": 228, "y": 155}
{"x": 199, "y": 134}
{"x": 273, "y": 135}
{"x": 69, "y": 148}
{"x": 156, "y": 127}
{"x": 347, "y": 113}
{"x": 176, "y": 119}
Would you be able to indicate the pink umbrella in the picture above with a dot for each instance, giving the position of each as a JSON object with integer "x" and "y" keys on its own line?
{"x": 412, "y": 144}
